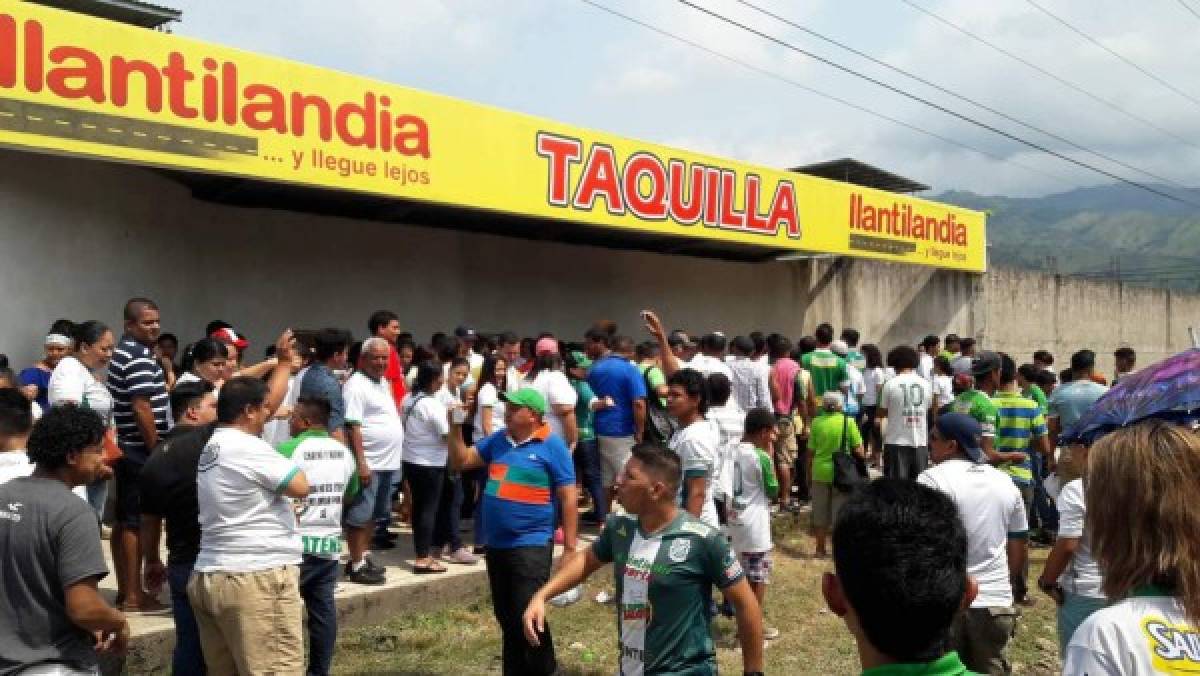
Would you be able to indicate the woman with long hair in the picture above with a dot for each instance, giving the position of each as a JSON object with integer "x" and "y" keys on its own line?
{"x": 1144, "y": 529}
{"x": 874, "y": 376}
{"x": 446, "y": 536}
{"x": 486, "y": 410}
{"x": 426, "y": 451}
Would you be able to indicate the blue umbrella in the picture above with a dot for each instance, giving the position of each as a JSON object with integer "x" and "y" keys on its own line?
{"x": 1169, "y": 389}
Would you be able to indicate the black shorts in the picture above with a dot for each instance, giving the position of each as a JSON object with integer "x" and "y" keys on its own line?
{"x": 127, "y": 507}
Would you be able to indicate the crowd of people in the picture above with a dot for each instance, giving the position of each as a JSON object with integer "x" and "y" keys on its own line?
{"x": 276, "y": 479}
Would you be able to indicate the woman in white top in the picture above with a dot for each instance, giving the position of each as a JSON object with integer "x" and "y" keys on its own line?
{"x": 426, "y": 425}
{"x": 446, "y": 535}
{"x": 548, "y": 379}
{"x": 73, "y": 381}
{"x": 874, "y": 376}
{"x": 489, "y": 408}
{"x": 206, "y": 360}
{"x": 1071, "y": 576}
{"x": 1144, "y": 530}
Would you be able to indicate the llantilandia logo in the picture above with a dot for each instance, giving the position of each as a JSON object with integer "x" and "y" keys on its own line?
{"x": 180, "y": 90}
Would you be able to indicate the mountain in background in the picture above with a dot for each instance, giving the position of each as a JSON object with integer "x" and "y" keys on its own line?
{"x": 1092, "y": 231}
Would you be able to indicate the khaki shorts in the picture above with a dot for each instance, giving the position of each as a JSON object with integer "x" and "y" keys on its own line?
{"x": 786, "y": 448}
{"x": 614, "y": 453}
{"x": 250, "y": 623}
{"x": 827, "y": 501}
{"x": 981, "y": 636}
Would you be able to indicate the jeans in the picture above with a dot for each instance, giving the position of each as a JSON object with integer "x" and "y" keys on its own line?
{"x": 514, "y": 576}
{"x": 318, "y": 578}
{"x": 800, "y": 471}
{"x": 188, "y": 659}
{"x": 1045, "y": 514}
{"x": 587, "y": 468}
{"x": 426, "y": 484}
{"x": 449, "y": 514}
{"x": 97, "y": 495}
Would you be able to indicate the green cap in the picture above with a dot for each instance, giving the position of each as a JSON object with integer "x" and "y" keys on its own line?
{"x": 580, "y": 359}
{"x": 527, "y": 397}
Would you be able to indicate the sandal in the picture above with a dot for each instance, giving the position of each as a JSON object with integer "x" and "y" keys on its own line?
{"x": 429, "y": 568}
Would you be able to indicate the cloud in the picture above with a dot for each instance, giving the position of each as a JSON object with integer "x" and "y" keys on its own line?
{"x": 571, "y": 62}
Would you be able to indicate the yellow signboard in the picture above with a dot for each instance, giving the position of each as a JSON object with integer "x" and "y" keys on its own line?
{"x": 88, "y": 87}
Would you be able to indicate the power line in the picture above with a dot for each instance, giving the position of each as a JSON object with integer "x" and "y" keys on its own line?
{"x": 1052, "y": 76}
{"x": 1189, "y": 8}
{"x": 934, "y": 105}
{"x": 1113, "y": 52}
{"x": 818, "y": 92}
{"x": 946, "y": 90}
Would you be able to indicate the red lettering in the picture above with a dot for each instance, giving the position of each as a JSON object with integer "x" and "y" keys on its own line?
{"x": 34, "y": 62}
{"x": 712, "y": 195}
{"x": 90, "y": 71}
{"x": 600, "y": 179}
{"x": 753, "y": 220}
{"x": 412, "y": 136}
{"x": 229, "y": 92}
{"x": 8, "y": 51}
{"x": 686, "y": 212}
{"x": 561, "y": 152}
{"x": 178, "y": 76}
{"x": 121, "y": 70}
{"x": 300, "y": 103}
{"x": 365, "y": 113}
{"x": 654, "y": 205}
{"x": 730, "y": 216}
{"x": 264, "y": 115}
{"x": 783, "y": 210}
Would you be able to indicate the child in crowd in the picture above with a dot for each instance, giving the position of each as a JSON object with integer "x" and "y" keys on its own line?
{"x": 752, "y": 487}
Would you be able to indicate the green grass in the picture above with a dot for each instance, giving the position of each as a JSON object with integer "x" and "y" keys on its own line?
{"x": 463, "y": 639}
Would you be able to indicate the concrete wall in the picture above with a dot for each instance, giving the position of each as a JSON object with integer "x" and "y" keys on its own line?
{"x": 79, "y": 237}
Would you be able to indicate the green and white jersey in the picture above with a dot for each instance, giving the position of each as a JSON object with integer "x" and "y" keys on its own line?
{"x": 664, "y": 583}
{"x": 332, "y": 480}
{"x": 980, "y": 407}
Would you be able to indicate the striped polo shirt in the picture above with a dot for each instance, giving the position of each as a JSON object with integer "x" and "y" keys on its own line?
{"x": 1019, "y": 420}
{"x": 134, "y": 372}
{"x": 520, "y": 500}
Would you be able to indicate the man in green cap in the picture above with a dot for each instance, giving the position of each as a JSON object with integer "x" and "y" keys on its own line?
{"x": 531, "y": 480}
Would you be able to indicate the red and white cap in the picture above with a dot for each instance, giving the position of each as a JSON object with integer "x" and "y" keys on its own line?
{"x": 230, "y": 337}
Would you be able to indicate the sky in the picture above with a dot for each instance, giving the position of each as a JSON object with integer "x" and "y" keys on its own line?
{"x": 571, "y": 62}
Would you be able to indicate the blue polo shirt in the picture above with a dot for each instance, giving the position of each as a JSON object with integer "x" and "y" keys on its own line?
{"x": 520, "y": 498}
{"x": 616, "y": 377}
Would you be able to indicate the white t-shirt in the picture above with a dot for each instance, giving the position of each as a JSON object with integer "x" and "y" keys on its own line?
{"x": 751, "y": 383}
{"x": 925, "y": 367}
{"x": 369, "y": 405}
{"x": 246, "y": 523}
{"x": 1140, "y": 635}
{"x": 329, "y": 466}
{"x": 15, "y": 464}
{"x": 750, "y": 507}
{"x": 554, "y": 386}
{"x": 277, "y": 430}
{"x": 873, "y": 379}
{"x": 943, "y": 389}
{"x": 907, "y": 398}
{"x": 731, "y": 424}
{"x": 707, "y": 366}
{"x": 487, "y": 402}
{"x": 991, "y": 508}
{"x": 855, "y": 390}
{"x": 71, "y": 381}
{"x": 697, "y": 446}
{"x": 1082, "y": 575}
{"x": 426, "y": 425}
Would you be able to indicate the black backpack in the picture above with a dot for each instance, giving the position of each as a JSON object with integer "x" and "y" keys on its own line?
{"x": 659, "y": 424}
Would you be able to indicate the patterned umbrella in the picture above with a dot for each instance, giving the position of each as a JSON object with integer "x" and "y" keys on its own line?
{"x": 1169, "y": 389}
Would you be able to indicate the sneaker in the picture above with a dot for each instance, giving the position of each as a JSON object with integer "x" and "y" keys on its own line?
{"x": 603, "y": 597}
{"x": 770, "y": 633}
{"x": 568, "y": 597}
{"x": 462, "y": 555}
{"x": 367, "y": 574}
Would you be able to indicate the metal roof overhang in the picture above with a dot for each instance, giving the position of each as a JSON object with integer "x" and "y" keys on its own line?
{"x": 250, "y": 193}
{"x": 133, "y": 12}
{"x": 850, "y": 170}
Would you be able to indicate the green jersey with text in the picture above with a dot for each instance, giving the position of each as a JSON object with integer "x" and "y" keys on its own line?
{"x": 664, "y": 583}
{"x": 980, "y": 407}
{"x": 332, "y": 480}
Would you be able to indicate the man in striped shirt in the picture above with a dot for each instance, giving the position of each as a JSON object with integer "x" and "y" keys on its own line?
{"x": 142, "y": 412}
{"x": 1020, "y": 428}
